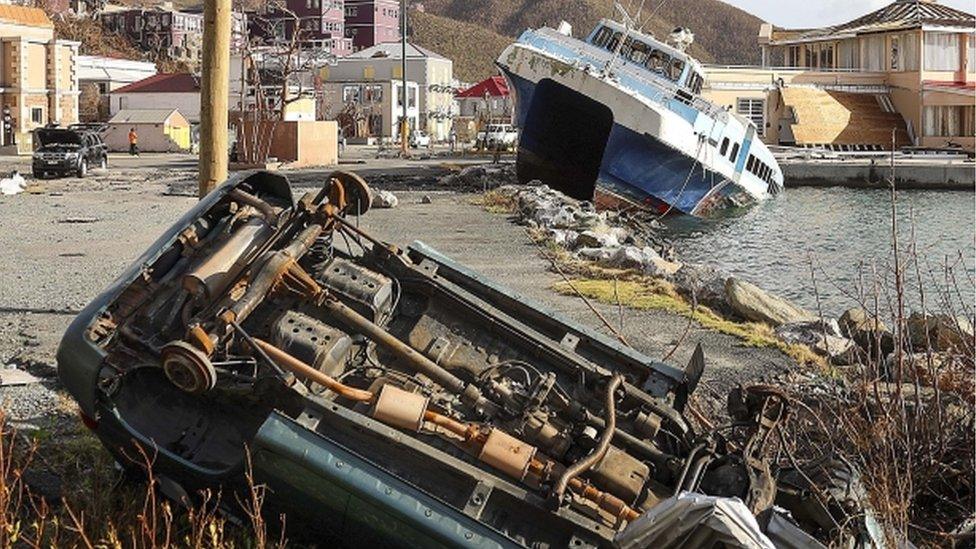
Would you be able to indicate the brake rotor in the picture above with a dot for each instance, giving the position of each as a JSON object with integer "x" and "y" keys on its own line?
{"x": 358, "y": 196}
{"x": 188, "y": 368}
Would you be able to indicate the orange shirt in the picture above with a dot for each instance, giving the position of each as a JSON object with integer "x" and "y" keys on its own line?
{"x": 133, "y": 138}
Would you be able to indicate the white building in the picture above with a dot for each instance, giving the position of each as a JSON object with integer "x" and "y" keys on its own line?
{"x": 97, "y": 76}
{"x": 180, "y": 91}
{"x": 433, "y": 73}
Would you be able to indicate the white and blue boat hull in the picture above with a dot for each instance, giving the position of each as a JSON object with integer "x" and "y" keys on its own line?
{"x": 623, "y": 140}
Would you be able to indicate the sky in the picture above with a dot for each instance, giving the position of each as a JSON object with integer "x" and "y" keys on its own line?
{"x": 821, "y": 13}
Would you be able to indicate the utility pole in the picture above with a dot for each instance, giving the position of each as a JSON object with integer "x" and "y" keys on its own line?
{"x": 214, "y": 88}
{"x": 404, "y": 123}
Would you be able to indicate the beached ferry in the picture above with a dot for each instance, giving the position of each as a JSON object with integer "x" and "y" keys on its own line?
{"x": 617, "y": 118}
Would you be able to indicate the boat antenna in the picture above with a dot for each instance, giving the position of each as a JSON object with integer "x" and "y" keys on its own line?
{"x": 628, "y": 23}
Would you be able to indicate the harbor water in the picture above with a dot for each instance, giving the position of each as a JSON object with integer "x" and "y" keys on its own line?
{"x": 845, "y": 236}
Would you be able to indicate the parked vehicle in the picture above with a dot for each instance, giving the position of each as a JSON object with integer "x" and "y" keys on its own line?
{"x": 497, "y": 136}
{"x": 419, "y": 138}
{"x": 68, "y": 151}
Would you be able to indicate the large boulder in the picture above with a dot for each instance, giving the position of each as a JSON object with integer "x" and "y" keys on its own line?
{"x": 703, "y": 285}
{"x": 645, "y": 260}
{"x": 942, "y": 331}
{"x": 867, "y": 331}
{"x": 752, "y": 303}
{"x": 593, "y": 239}
{"x": 823, "y": 336}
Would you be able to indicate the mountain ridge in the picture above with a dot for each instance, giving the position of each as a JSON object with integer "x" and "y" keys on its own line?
{"x": 724, "y": 34}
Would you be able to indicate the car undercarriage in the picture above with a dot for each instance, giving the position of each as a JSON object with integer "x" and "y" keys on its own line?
{"x": 390, "y": 395}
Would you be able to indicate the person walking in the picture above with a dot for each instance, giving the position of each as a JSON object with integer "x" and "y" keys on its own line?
{"x": 133, "y": 142}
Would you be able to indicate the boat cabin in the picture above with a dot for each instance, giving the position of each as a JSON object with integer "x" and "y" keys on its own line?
{"x": 649, "y": 54}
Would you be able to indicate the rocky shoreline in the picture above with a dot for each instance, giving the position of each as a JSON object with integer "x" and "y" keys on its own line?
{"x": 638, "y": 244}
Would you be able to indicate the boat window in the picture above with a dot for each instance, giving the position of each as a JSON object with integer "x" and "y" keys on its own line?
{"x": 638, "y": 51}
{"x": 658, "y": 61}
{"x": 725, "y": 147}
{"x": 695, "y": 82}
{"x": 749, "y": 163}
{"x": 677, "y": 66}
{"x": 602, "y": 36}
{"x": 735, "y": 152}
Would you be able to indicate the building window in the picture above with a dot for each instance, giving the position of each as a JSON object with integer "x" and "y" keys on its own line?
{"x": 37, "y": 115}
{"x": 872, "y": 53}
{"x": 826, "y": 56}
{"x": 793, "y": 56}
{"x": 972, "y": 53}
{"x": 848, "y": 55}
{"x": 949, "y": 121}
{"x": 941, "y": 51}
{"x": 754, "y": 110}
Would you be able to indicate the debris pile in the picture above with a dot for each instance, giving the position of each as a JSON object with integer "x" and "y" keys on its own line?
{"x": 607, "y": 238}
{"x": 481, "y": 176}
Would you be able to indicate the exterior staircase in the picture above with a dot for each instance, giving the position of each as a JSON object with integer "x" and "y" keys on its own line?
{"x": 843, "y": 119}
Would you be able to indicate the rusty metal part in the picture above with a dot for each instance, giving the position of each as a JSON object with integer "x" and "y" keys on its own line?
{"x": 346, "y": 191}
{"x": 647, "y": 424}
{"x": 466, "y": 431}
{"x": 400, "y": 408}
{"x": 604, "y": 500}
{"x": 621, "y": 474}
{"x": 199, "y": 338}
{"x": 267, "y": 210}
{"x": 507, "y": 454}
{"x": 214, "y": 273}
{"x": 414, "y": 359}
{"x": 306, "y": 372}
{"x": 610, "y": 424}
{"x": 188, "y": 368}
{"x": 771, "y": 411}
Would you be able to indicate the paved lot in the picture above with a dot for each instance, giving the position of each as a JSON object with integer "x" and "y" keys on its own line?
{"x": 61, "y": 245}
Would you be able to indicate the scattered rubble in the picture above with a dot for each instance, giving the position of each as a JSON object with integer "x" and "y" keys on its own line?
{"x": 867, "y": 331}
{"x": 385, "y": 199}
{"x": 823, "y": 336}
{"x": 481, "y": 176}
{"x": 942, "y": 332}
{"x": 13, "y": 185}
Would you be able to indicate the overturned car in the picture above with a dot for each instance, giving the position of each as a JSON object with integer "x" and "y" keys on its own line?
{"x": 394, "y": 397}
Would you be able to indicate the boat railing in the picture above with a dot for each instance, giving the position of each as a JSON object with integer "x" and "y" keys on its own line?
{"x": 670, "y": 90}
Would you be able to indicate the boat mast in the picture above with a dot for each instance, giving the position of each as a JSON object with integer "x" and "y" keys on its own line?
{"x": 627, "y": 26}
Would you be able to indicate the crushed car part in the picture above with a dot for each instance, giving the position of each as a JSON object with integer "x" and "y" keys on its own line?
{"x": 385, "y": 396}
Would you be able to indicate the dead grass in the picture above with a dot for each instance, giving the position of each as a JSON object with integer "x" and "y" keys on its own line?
{"x": 99, "y": 508}
{"x": 496, "y": 202}
{"x": 650, "y": 293}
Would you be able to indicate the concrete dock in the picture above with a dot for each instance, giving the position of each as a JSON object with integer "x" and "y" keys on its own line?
{"x": 873, "y": 172}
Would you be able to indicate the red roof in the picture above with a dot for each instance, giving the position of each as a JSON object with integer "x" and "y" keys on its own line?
{"x": 496, "y": 86}
{"x": 164, "y": 83}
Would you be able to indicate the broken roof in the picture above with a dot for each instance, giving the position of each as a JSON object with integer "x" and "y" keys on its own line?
{"x": 164, "y": 83}
{"x": 21, "y": 15}
{"x": 901, "y": 14}
{"x": 495, "y": 86}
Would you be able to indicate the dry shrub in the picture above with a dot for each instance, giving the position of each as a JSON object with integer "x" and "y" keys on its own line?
{"x": 121, "y": 515}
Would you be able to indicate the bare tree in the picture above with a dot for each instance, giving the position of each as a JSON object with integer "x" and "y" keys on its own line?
{"x": 278, "y": 68}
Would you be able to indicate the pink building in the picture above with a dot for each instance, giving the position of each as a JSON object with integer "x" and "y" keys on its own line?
{"x": 320, "y": 22}
{"x": 371, "y": 22}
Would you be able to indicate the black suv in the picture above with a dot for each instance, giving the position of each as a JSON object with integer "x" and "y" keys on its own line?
{"x": 67, "y": 151}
